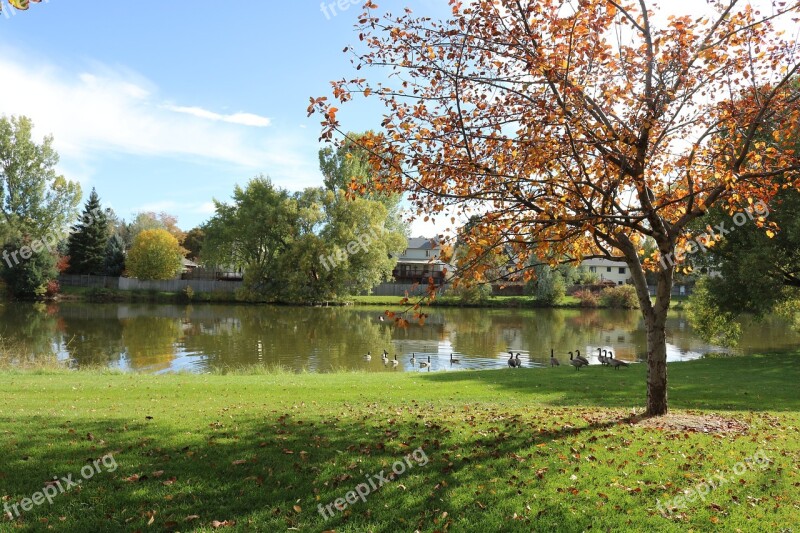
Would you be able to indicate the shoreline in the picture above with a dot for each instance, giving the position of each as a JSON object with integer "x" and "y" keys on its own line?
{"x": 86, "y": 295}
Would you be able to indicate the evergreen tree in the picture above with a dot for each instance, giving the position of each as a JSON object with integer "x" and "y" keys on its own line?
{"x": 87, "y": 242}
{"x": 115, "y": 256}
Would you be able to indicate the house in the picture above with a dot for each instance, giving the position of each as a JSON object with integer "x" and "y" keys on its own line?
{"x": 420, "y": 261}
{"x": 607, "y": 270}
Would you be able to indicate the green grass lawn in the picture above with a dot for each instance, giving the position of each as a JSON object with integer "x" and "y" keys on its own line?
{"x": 505, "y": 450}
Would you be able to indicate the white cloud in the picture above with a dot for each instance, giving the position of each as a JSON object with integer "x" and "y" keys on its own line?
{"x": 244, "y": 119}
{"x": 100, "y": 111}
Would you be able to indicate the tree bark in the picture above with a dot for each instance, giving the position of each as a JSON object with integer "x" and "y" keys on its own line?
{"x": 656, "y": 323}
{"x": 655, "y": 319}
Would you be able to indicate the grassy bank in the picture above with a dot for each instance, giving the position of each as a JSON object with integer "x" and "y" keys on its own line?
{"x": 510, "y": 450}
{"x": 677, "y": 302}
{"x": 497, "y": 302}
{"x": 96, "y": 295}
{"x": 452, "y": 301}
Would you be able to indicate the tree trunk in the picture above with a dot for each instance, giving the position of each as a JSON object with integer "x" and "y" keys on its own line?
{"x": 655, "y": 319}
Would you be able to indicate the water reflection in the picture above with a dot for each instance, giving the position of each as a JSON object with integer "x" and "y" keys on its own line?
{"x": 157, "y": 338}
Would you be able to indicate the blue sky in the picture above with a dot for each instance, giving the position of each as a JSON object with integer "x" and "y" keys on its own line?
{"x": 163, "y": 106}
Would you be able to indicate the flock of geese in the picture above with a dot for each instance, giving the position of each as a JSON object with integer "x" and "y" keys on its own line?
{"x": 606, "y": 358}
{"x": 395, "y": 362}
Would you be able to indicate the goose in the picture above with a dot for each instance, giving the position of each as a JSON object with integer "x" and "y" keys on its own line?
{"x": 380, "y": 318}
{"x": 454, "y": 359}
{"x": 580, "y": 358}
{"x": 368, "y": 357}
{"x": 511, "y": 362}
{"x": 553, "y": 360}
{"x": 423, "y": 364}
{"x": 600, "y": 356}
{"x": 385, "y": 356}
{"x": 575, "y": 362}
{"x": 395, "y": 362}
{"x": 413, "y": 359}
{"x": 616, "y": 363}
{"x": 517, "y": 362}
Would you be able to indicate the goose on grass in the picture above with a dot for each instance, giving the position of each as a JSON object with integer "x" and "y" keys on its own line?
{"x": 616, "y": 363}
{"x": 577, "y": 363}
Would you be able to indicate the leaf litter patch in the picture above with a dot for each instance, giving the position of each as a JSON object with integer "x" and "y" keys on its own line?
{"x": 701, "y": 423}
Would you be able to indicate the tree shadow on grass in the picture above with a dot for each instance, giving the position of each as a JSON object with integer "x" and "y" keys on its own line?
{"x": 272, "y": 474}
{"x": 754, "y": 383}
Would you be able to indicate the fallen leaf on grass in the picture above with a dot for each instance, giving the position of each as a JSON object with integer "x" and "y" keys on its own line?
{"x": 216, "y": 524}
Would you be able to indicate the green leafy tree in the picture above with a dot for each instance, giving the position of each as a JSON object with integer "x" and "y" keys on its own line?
{"x": 346, "y": 168}
{"x": 251, "y": 233}
{"x": 311, "y": 246}
{"x": 35, "y": 200}
{"x": 29, "y": 278}
{"x": 550, "y": 284}
{"x": 88, "y": 240}
{"x": 155, "y": 254}
{"x": 114, "y": 260}
{"x": 354, "y": 247}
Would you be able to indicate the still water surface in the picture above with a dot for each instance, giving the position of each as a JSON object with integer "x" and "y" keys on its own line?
{"x": 160, "y": 338}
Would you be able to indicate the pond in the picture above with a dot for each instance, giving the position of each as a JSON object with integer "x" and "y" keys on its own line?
{"x": 198, "y": 338}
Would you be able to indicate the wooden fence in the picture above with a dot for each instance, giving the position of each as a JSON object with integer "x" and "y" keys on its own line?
{"x": 131, "y": 284}
{"x": 178, "y": 285}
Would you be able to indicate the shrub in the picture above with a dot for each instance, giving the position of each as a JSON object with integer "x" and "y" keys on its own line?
{"x": 550, "y": 287}
{"x": 27, "y": 278}
{"x": 52, "y": 288}
{"x": 588, "y": 298}
{"x": 188, "y": 293}
{"x": 620, "y": 297}
{"x": 472, "y": 294}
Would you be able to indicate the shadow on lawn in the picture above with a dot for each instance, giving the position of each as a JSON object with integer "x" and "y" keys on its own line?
{"x": 271, "y": 475}
{"x": 755, "y": 383}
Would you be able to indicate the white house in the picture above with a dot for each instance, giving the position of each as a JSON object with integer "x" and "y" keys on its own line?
{"x": 607, "y": 270}
{"x": 419, "y": 261}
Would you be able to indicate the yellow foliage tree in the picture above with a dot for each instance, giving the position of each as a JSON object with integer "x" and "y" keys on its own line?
{"x": 155, "y": 254}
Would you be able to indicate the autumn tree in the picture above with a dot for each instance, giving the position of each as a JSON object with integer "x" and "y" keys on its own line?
{"x": 193, "y": 242}
{"x": 155, "y": 254}
{"x": 146, "y": 220}
{"x": 579, "y": 129}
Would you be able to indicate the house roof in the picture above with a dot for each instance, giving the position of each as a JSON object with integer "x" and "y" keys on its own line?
{"x": 423, "y": 243}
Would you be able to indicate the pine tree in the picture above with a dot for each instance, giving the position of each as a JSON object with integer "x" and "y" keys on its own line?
{"x": 88, "y": 238}
{"x": 115, "y": 256}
